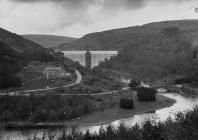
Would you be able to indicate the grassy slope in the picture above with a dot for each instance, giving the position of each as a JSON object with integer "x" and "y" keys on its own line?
{"x": 119, "y": 38}
{"x": 48, "y": 41}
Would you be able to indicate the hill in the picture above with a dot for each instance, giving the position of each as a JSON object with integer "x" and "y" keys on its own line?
{"x": 165, "y": 56}
{"x": 16, "y": 52}
{"x": 22, "y": 63}
{"x": 119, "y": 38}
{"x": 48, "y": 41}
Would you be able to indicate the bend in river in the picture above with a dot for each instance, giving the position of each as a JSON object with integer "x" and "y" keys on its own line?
{"x": 183, "y": 103}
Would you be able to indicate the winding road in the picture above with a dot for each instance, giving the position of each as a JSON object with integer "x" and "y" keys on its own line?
{"x": 16, "y": 93}
{"x": 78, "y": 80}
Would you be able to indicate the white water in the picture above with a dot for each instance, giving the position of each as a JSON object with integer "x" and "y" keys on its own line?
{"x": 97, "y": 56}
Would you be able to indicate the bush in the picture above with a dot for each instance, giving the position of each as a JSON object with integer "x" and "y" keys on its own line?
{"x": 126, "y": 103}
{"x": 146, "y": 94}
{"x": 182, "y": 81}
{"x": 7, "y": 81}
{"x": 134, "y": 84}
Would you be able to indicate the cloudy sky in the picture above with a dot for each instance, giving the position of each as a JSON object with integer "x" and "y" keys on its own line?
{"x": 76, "y": 18}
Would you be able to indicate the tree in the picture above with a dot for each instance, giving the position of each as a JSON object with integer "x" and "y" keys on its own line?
{"x": 171, "y": 31}
{"x": 6, "y": 115}
{"x": 134, "y": 84}
{"x": 146, "y": 94}
{"x": 25, "y": 108}
{"x": 126, "y": 103}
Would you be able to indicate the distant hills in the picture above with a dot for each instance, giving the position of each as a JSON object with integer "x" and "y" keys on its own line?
{"x": 49, "y": 41}
{"x": 117, "y": 39}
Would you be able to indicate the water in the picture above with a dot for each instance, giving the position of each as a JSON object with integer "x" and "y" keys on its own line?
{"x": 183, "y": 103}
{"x": 97, "y": 56}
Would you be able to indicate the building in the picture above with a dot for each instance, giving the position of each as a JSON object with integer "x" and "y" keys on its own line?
{"x": 55, "y": 72}
{"x": 88, "y": 59}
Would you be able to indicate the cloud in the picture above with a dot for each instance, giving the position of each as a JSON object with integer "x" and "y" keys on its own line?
{"x": 110, "y": 3}
{"x": 75, "y": 17}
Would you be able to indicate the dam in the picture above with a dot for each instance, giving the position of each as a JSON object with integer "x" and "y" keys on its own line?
{"x": 96, "y": 56}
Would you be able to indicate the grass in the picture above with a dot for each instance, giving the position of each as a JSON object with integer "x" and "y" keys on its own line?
{"x": 106, "y": 110}
{"x": 113, "y": 112}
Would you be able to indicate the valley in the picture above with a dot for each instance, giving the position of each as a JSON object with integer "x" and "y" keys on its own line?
{"x": 61, "y": 86}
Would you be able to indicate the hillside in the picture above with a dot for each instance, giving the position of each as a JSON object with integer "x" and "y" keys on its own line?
{"x": 22, "y": 63}
{"x": 17, "y": 52}
{"x": 48, "y": 41}
{"x": 119, "y": 38}
{"x": 164, "y": 56}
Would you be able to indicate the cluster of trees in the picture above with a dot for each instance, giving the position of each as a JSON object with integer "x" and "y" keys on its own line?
{"x": 7, "y": 81}
{"x": 126, "y": 103}
{"x": 10, "y": 63}
{"x": 101, "y": 83}
{"x": 43, "y": 108}
{"x": 184, "y": 127}
{"x": 146, "y": 94}
{"x": 134, "y": 84}
{"x": 182, "y": 81}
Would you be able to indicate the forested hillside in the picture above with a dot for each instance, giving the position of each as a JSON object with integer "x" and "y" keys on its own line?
{"x": 16, "y": 52}
{"x": 166, "y": 54}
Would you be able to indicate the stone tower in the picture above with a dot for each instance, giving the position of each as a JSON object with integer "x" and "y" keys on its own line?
{"x": 88, "y": 59}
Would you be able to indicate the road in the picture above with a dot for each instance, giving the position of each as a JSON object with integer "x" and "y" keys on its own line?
{"x": 16, "y": 93}
{"x": 78, "y": 80}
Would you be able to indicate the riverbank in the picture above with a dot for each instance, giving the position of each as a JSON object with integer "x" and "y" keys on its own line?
{"x": 181, "y": 89}
{"x": 105, "y": 116}
{"x": 116, "y": 113}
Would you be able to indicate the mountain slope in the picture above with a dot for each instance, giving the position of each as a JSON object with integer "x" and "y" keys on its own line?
{"x": 15, "y": 53}
{"x": 166, "y": 55}
{"x": 48, "y": 41}
{"x": 119, "y": 38}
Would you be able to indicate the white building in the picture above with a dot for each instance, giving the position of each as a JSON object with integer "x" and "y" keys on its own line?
{"x": 55, "y": 72}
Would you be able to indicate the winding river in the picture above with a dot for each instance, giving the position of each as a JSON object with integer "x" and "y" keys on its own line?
{"x": 183, "y": 103}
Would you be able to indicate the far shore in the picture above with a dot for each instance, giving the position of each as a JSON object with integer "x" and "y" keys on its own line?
{"x": 104, "y": 117}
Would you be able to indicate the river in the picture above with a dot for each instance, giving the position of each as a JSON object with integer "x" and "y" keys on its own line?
{"x": 183, "y": 103}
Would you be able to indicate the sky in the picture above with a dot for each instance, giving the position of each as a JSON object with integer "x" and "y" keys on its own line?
{"x": 75, "y": 18}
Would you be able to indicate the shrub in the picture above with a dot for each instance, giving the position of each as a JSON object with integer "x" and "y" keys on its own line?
{"x": 182, "y": 81}
{"x": 134, "y": 84}
{"x": 146, "y": 94}
{"x": 126, "y": 103}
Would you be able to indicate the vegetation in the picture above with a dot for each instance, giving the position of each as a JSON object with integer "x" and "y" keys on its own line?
{"x": 134, "y": 84}
{"x": 126, "y": 103}
{"x": 146, "y": 94}
{"x": 183, "y": 127}
{"x": 182, "y": 81}
{"x": 43, "y": 108}
{"x": 10, "y": 63}
{"x": 166, "y": 54}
